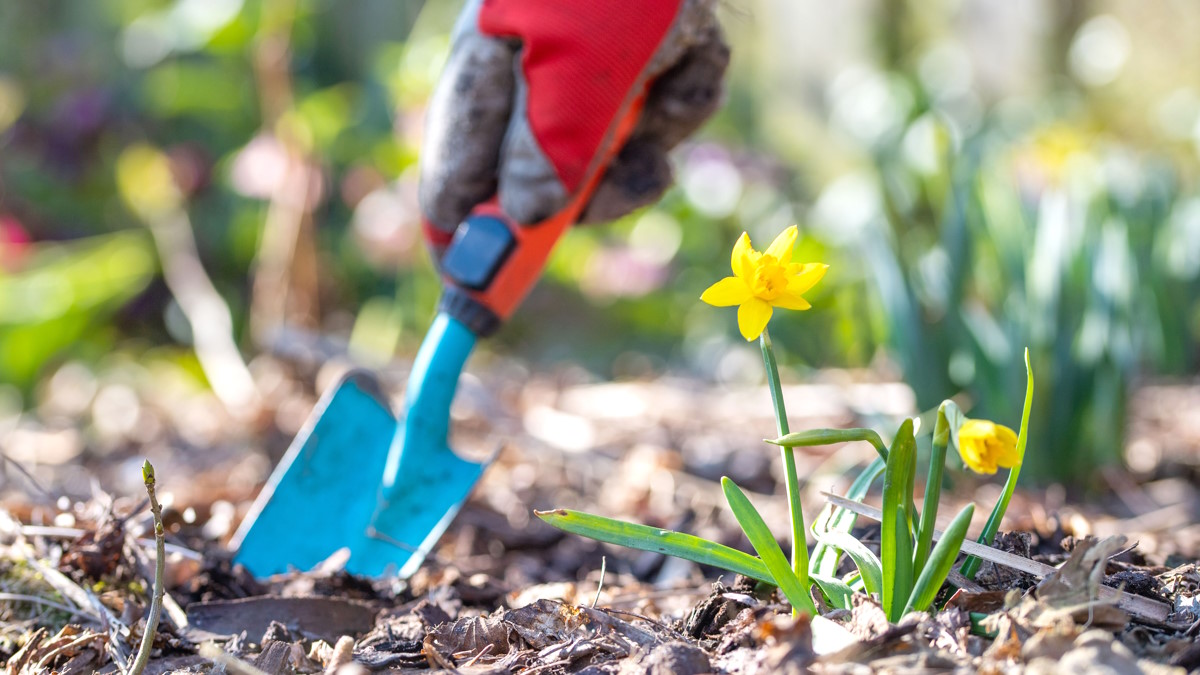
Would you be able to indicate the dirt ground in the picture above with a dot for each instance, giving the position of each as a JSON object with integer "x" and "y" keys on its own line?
{"x": 502, "y": 592}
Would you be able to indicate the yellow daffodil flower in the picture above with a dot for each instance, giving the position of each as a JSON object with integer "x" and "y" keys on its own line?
{"x": 763, "y": 281}
{"x": 985, "y": 445}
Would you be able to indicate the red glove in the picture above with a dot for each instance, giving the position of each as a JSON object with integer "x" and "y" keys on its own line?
{"x": 529, "y": 104}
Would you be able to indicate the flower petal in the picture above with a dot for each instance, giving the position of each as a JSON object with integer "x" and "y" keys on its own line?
{"x": 985, "y": 445}
{"x": 974, "y": 455}
{"x": 753, "y": 316}
{"x": 781, "y": 248}
{"x": 806, "y": 277}
{"x": 744, "y": 257}
{"x": 791, "y": 301}
{"x": 1006, "y": 447}
{"x": 726, "y": 293}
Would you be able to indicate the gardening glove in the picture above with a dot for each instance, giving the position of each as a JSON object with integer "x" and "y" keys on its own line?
{"x": 530, "y": 102}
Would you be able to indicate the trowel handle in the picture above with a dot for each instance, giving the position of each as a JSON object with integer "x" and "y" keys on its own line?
{"x": 492, "y": 262}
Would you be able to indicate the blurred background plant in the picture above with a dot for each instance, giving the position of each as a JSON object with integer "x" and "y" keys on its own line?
{"x": 981, "y": 175}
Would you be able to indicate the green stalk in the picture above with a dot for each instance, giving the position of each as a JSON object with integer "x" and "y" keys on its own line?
{"x": 971, "y": 566}
{"x": 799, "y": 542}
{"x": 156, "y": 603}
{"x": 933, "y": 489}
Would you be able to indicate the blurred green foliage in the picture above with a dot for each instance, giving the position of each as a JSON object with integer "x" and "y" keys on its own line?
{"x": 64, "y": 297}
{"x": 971, "y": 172}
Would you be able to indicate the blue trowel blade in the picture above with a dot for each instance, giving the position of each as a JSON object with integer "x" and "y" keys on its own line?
{"x": 322, "y": 495}
{"x": 356, "y": 478}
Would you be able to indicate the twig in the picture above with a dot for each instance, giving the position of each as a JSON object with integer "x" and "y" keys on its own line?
{"x": 77, "y": 532}
{"x": 600, "y": 584}
{"x": 44, "y": 662}
{"x": 63, "y": 584}
{"x": 175, "y": 616}
{"x": 84, "y": 598}
{"x": 28, "y": 476}
{"x": 231, "y": 663}
{"x": 482, "y": 652}
{"x": 657, "y": 624}
{"x": 73, "y": 611}
{"x": 547, "y": 666}
{"x": 143, "y": 656}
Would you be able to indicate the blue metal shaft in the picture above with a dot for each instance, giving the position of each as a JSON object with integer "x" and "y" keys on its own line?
{"x": 431, "y": 386}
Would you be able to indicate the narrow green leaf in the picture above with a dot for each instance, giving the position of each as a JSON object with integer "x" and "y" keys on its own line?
{"x": 795, "y": 589}
{"x": 657, "y": 540}
{"x": 868, "y": 564}
{"x": 896, "y": 543}
{"x": 814, "y": 437}
{"x": 940, "y": 562}
{"x": 900, "y": 566}
{"x": 832, "y": 518}
{"x": 970, "y": 566}
{"x": 836, "y": 591}
{"x": 943, "y": 428}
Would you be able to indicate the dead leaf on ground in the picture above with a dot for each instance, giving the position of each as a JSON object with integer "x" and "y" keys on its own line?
{"x": 1074, "y": 590}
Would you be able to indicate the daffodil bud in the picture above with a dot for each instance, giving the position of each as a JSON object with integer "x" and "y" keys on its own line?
{"x": 984, "y": 446}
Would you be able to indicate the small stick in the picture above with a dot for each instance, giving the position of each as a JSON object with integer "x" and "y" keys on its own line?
{"x": 77, "y": 532}
{"x": 33, "y": 599}
{"x": 600, "y": 584}
{"x": 143, "y": 656}
{"x": 28, "y": 476}
{"x": 49, "y": 657}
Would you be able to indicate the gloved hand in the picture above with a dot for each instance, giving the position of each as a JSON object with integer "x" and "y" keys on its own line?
{"x": 527, "y": 107}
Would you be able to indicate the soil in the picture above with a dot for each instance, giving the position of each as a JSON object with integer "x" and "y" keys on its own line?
{"x": 502, "y": 592}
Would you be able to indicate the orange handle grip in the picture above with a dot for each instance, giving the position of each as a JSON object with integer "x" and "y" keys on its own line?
{"x": 523, "y": 265}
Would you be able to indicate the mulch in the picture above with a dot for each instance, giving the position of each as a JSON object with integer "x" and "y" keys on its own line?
{"x": 504, "y": 593}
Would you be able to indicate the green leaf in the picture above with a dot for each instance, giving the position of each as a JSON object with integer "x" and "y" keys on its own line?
{"x": 868, "y": 564}
{"x": 767, "y": 547}
{"x": 970, "y": 567}
{"x": 896, "y": 534}
{"x": 940, "y": 562}
{"x": 657, "y": 540}
{"x": 825, "y": 558}
{"x": 948, "y": 420}
{"x": 830, "y": 436}
{"x": 836, "y": 591}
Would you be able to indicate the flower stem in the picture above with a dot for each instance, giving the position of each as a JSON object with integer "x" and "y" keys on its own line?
{"x": 799, "y": 541}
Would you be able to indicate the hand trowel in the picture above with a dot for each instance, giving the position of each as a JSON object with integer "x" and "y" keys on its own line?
{"x": 358, "y": 477}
